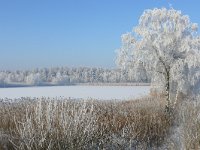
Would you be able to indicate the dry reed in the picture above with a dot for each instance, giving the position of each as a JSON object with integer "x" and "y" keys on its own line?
{"x": 78, "y": 124}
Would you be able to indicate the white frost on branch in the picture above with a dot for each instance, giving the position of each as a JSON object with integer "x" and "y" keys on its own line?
{"x": 167, "y": 44}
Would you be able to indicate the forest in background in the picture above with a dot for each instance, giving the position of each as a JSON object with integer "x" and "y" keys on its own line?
{"x": 70, "y": 76}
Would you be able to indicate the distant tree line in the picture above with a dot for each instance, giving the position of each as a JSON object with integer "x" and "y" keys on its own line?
{"x": 67, "y": 76}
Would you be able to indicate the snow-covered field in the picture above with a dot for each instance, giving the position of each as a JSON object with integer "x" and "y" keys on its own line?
{"x": 85, "y": 92}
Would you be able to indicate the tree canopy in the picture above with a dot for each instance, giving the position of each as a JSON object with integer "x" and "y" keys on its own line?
{"x": 168, "y": 45}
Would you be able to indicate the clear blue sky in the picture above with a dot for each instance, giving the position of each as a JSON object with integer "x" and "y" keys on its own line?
{"x": 46, "y": 33}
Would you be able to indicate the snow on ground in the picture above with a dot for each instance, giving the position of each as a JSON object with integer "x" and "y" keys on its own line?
{"x": 84, "y": 92}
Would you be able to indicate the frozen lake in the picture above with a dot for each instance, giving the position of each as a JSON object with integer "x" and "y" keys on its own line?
{"x": 85, "y": 92}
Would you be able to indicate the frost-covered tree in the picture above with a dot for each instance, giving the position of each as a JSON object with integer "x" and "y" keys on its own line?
{"x": 33, "y": 79}
{"x": 61, "y": 79}
{"x": 168, "y": 45}
{"x": 140, "y": 73}
{"x": 2, "y": 78}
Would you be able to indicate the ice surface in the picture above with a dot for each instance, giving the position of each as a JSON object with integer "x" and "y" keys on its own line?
{"x": 85, "y": 92}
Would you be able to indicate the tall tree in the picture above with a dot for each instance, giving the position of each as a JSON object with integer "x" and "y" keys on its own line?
{"x": 165, "y": 41}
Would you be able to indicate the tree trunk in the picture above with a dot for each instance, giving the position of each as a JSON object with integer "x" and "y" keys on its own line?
{"x": 167, "y": 89}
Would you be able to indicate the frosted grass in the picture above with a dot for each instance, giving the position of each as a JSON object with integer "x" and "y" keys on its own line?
{"x": 83, "y": 92}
